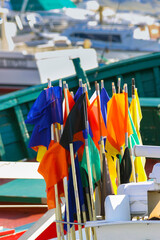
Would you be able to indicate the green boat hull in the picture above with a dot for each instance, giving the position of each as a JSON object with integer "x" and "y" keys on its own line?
{"x": 14, "y": 107}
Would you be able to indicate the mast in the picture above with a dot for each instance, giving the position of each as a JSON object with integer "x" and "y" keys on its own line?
{"x": 24, "y": 5}
{"x": 6, "y": 40}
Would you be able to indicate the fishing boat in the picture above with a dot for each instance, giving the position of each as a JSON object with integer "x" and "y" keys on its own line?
{"x": 111, "y": 37}
{"x": 20, "y": 70}
{"x": 14, "y": 135}
{"x": 145, "y": 71}
{"x": 126, "y": 214}
{"x": 133, "y": 199}
{"x": 24, "y": 65}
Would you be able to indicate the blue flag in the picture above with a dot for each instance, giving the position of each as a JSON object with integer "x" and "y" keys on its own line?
{"x": 47, "y": 109}
{"x": 104, "y": 99}
{"x": 76, "y": 97}
{"x": 78, "y": 94}
{"x": 71, "y": 194}
{"x": 40, "y": 138}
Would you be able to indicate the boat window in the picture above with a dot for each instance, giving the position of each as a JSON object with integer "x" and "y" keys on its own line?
{"x": 101, "y": 37}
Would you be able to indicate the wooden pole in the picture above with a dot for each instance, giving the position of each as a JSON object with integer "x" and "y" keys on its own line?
{"x": 60, "y": 85}
{"x": 113, "y": 88}
{"x": 102, "y": 84}
{"x": 126, "y": 138}
{"x": 75, "y": 185}
{"x": 65, "y": 185}
{"x": 119, "y": 85}
{"x": 56, "y": 189}
{"x": 133, "y": 95}
{"x": 101, "y": 134}
{"x": 80, "y": 82}
{"x": 90, "y": 182}
{"x": 83, "y": 210}
{"x": 121, "y": 149}
{"x": 99, "y": 120}
{"x": 135, "y": 177}
{"x": 57, "y": 212}
{"x": 118, "y": 162}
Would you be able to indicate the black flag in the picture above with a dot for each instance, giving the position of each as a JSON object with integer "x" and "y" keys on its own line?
{"x": 125, "y": 167}
{"x": 76, "y": 121}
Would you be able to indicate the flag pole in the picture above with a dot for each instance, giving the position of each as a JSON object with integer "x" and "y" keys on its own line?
{"x": 102, "y": 151}
{"x": 133, "y": 95}
{"x": 60, "y": 85}
{"x": 131, "y": 150}
{"x": 65, "y": 185}
{"x": 104, "y": 163}
{"x": 100, "y": 127}
{"x": 80, "y": 82}
{"x": 99, "y": 110}
{"x": 75, "y": 185}
{"x": 90, "y": 176}
{"x": 65, "y": 193}
{"x": 102, "y": 84}
{"x": 126, "y": 135}
{"x": 118, "y": 161}
{"x": 56, "y": 190}
{"x": 135, "y": 106}
{"x": 55, "y": 128}
{"x": 113, "y": 88}
{"x": 119, "y": 85}
{"x": 86, "y": 193}
{"x": 121, "y": 148}
{"x": 135, "y": 179}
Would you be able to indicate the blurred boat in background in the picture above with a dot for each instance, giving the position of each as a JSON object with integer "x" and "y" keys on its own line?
{"x": 32, "y": 62}
{"x": 114, "y": 37}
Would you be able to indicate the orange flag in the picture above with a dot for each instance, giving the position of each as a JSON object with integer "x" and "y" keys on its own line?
{"x": 116, "y": 121}
{"x": 94, "y": 122}
{"x": 54, "y": 167}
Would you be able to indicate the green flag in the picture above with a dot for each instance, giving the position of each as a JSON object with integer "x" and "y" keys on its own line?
{"x": 139, "y": 169}
{"x": 94, "y": 163}
{"x": 134, "y": 136}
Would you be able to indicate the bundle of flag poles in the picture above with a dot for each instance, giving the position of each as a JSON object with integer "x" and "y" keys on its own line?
{"x": 84, "y": 147}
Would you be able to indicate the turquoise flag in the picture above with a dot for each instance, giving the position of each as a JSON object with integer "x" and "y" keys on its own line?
{"x": 94, "y": 163}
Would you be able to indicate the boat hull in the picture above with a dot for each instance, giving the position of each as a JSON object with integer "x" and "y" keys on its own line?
{"x": 14, "y": 107}
{"x": 139, "y": 230}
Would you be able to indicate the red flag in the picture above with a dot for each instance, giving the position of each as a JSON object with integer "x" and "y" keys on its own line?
{"x": 71, "y": 103}
{"x": 94, "y": 122}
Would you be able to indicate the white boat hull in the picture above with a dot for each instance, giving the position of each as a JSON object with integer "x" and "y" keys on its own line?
{"x": 18, "y": 70}
{"x": 129, "y": 230}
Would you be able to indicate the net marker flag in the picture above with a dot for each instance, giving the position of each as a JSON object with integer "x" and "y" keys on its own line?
{"x": 76, "y": 122}
{"x": 47, "y": 109}
{"x": 54, "y": 167}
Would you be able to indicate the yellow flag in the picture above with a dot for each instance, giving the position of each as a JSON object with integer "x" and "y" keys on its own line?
{"x": 40, "y": 153}
{"x": 111, "y": 153}
{"x": 136, "y": 113}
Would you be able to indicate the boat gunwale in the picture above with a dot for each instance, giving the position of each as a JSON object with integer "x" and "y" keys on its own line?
{"x": 95, "y": 74}
{"x": 105, "y": 222}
